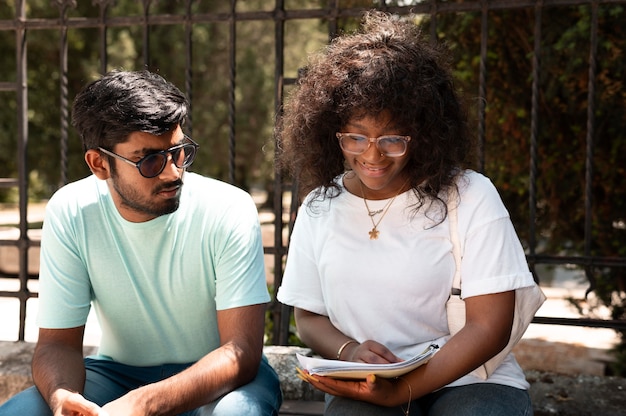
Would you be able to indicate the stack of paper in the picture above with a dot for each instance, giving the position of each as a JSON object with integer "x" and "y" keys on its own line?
{"x": 346, "y": 369}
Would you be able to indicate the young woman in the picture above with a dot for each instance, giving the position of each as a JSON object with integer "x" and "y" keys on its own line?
{"x": 376, "y": 136}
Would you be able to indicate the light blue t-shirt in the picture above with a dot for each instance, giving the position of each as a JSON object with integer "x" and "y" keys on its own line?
{"x": 155, "y": 285}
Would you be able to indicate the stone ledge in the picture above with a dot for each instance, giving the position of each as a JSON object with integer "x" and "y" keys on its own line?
{"x": 15, "y": 372}
{"x": 551, "y": 393}
{"x": 284, "y": 361}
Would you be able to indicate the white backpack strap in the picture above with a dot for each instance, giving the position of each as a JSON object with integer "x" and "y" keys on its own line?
{"x": 453, "y": 222}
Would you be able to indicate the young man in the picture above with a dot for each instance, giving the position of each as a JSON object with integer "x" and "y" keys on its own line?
{"x": 171, "y": 261}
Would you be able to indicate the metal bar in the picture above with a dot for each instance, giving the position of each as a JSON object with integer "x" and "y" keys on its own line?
{"x": 14, "y": 243}
{"x": 146, "y": 32}
{"x": 590, "y": 261}
{"x": 232, "y": 79}
{"x": 8, "y": 182}
{"x": 433, "y": 10}
{"x": 8, "y": 86}
{"x": 534, "y": 132}
{"x": 591, "y": 91}
{"x": 281, "y": 313}
{"x": 102, "y": 28}
{"x": 482, "y": 83}
{"x": 333, "y": 15}
{"x": 22, "y": 131}
{"x": 189, "y": 63}
{"x": 593, "y": 323}
{"x": 295, "y": 14}
{"x": 19, "y": 294}
{"x": 64, "y": 102}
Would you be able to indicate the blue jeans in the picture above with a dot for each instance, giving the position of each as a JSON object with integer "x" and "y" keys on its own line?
{"x": 107, "y": 380}
{"x": 481, "y": 399}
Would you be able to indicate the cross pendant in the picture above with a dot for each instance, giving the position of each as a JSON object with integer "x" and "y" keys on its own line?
{"x": 374, "y": 234}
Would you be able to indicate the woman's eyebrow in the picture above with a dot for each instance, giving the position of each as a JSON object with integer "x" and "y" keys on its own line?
{"x": 393, "y": 127}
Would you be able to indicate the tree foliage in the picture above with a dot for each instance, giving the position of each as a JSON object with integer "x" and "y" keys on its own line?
{"x": 251, "y": 106}
{"x": 563, "y": 128}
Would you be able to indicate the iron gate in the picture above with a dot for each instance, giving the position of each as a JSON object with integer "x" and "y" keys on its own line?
{"x": 331, "y": 12}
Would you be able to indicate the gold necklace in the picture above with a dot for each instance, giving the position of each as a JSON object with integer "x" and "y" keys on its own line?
{"x": 374, "y": 231}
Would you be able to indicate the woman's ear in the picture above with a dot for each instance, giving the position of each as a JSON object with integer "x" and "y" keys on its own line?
{"x": 98, "y": 164}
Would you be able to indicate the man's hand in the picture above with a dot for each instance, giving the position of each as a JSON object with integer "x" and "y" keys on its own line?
{"x": 68, "y": 403}
{"x": 132, "y": 403}
{"x": 124, "y": 406}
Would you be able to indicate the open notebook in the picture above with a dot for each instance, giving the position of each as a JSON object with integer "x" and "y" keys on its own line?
{"x": 346, "y": 369}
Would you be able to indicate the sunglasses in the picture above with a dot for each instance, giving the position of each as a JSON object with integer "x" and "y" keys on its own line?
{"x": 153, "y": 164}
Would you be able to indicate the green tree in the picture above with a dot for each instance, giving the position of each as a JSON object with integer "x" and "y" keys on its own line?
{"x": 562, "y": 132}
{"x": 210, "y": 87}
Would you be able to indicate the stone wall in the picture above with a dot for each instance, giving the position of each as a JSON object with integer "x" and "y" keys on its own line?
{"x": 551, "y": 393}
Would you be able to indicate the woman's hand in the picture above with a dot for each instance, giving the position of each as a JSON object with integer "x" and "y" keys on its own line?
{"x": 319, "y": 334}
{"x": 370, "y": 352}
{"x": 376, "y": 390}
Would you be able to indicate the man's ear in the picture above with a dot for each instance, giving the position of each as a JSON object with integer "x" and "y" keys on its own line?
{"x": 98, "y": 164}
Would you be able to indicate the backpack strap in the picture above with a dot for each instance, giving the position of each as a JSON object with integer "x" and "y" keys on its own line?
{"x": 453, "y": 223}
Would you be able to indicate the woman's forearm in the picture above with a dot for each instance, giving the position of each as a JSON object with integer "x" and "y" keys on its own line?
{"x": 320, "y": 334}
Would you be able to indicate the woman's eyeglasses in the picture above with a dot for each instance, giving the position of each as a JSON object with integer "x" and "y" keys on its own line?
{"x": 153, "y": 164}
{"x": 390, "y": 146}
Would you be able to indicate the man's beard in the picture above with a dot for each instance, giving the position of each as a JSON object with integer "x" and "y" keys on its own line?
{"x": 135, "y": 202}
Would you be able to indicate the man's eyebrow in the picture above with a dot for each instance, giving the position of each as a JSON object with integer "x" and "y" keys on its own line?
{"x": 148, "y": 150}
{"x": 144, "y": 151}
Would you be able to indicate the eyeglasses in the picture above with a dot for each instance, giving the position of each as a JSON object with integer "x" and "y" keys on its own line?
{"x": 390, "y": 146}
{"x": 153, "y": 164}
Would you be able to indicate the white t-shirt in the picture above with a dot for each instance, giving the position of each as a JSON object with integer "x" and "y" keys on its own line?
{"x": 155, "y": 285}
{"x": 394, "y": 289}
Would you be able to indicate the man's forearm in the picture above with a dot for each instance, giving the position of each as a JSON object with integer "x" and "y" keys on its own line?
{"x": 57, "y": 367}
{"x": 216, "y": 374}
{"x": 221, "y": 371}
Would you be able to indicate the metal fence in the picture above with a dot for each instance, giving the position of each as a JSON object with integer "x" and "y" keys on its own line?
{"x": 330, "y": 12}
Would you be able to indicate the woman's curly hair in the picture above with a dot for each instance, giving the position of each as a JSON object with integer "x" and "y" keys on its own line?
{"x": 388, "y": 65}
